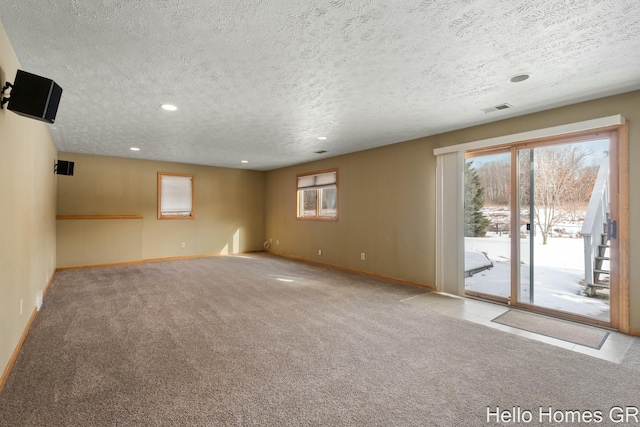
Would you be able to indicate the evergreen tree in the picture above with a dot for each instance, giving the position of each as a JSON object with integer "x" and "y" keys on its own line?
{"x": 475, "y": 223}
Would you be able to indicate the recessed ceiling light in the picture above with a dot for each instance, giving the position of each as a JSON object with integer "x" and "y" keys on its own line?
{"x": 244, "y": 161}
{"x": 134, "y": 149}
{"x": 322, "y": 138}
{"x": 519, "y": 78}
{"x": 168, "y": 107}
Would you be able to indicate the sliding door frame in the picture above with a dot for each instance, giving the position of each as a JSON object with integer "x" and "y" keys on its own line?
{"x": 617, "y": 129}
{"x": 614, "y": 299}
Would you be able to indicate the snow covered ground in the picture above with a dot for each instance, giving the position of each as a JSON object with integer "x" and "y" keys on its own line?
{"x": 559, "y": 268}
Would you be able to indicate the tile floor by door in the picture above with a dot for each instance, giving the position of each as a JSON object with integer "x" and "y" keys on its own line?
{"x": 481, "y": 312}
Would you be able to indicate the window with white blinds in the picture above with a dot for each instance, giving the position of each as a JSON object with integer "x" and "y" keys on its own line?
{"x": 318, "y": 195}
{"x": 175, "y": 196}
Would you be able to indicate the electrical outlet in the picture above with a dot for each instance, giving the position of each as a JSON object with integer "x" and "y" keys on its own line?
{"x": 21, "y": 301}
{"x": 184, "y": 245}
{"x": 362, "y": 256}
{"x": 39, "y": 298}
{"x": 277, "y": 242}
{"x": 319, "y": 251}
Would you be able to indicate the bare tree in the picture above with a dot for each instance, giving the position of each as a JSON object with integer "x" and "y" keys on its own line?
{"x": 496, "y": 178}
{"x": 580, "y": 193}
{"x": 558, "y": 175}
{"x": 564, "y": 179}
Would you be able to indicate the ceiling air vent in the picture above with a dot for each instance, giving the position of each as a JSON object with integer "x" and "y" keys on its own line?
{"x": 497, "y": 108}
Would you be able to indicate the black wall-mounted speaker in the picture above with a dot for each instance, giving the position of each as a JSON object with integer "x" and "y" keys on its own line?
{"x": 35, "y": 97}
{"x": 64, "y": 167}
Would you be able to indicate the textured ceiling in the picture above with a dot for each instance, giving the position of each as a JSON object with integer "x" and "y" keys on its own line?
{"x": 260, "y": 80}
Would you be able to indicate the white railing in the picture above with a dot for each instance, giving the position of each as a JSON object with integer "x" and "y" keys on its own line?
{"x": 594, "y": 220}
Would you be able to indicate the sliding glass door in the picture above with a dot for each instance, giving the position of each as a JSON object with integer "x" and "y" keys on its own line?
{"x": 538, "y": 226}
{"x": 487, "y": 230}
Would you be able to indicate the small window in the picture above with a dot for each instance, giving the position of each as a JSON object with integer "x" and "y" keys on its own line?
{"x": 318, "y": 195}
{"x": 175, "y": 196}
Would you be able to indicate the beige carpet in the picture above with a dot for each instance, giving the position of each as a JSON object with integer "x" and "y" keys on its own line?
{"x": 260, "y": 340}
{"x": 565, "y": 331}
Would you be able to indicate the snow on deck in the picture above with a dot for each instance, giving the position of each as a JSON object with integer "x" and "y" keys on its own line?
{"x": 475, "y": 262}
{"x": 559, "y": 270}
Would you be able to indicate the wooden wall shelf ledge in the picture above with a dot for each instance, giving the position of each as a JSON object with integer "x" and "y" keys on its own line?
{"x": 98, "y": 216}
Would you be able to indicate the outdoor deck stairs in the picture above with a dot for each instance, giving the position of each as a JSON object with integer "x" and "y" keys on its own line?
{"x": 596, "y": 223}
{"x": 601, "y": 272}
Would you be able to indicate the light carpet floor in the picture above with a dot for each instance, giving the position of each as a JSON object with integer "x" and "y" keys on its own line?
{"x": 264, "y": 340}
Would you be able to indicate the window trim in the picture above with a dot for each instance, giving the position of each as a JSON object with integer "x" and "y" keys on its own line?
{"x": 318, "y": 198}
{"x": 193, "y": 192}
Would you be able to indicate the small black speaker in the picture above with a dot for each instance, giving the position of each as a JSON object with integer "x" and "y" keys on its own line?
{"x": 35, "y": 97}
{"x": 64, "y": 167}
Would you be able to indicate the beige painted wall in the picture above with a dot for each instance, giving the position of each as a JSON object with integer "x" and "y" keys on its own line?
{"x": 384, "y": 210}
{"x": 229, "y": 212}
{"x": 27, "y": 215}
{"x": 387, "y": 199}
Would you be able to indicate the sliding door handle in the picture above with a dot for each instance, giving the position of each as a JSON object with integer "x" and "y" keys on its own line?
{"x": 612, "y": 229}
